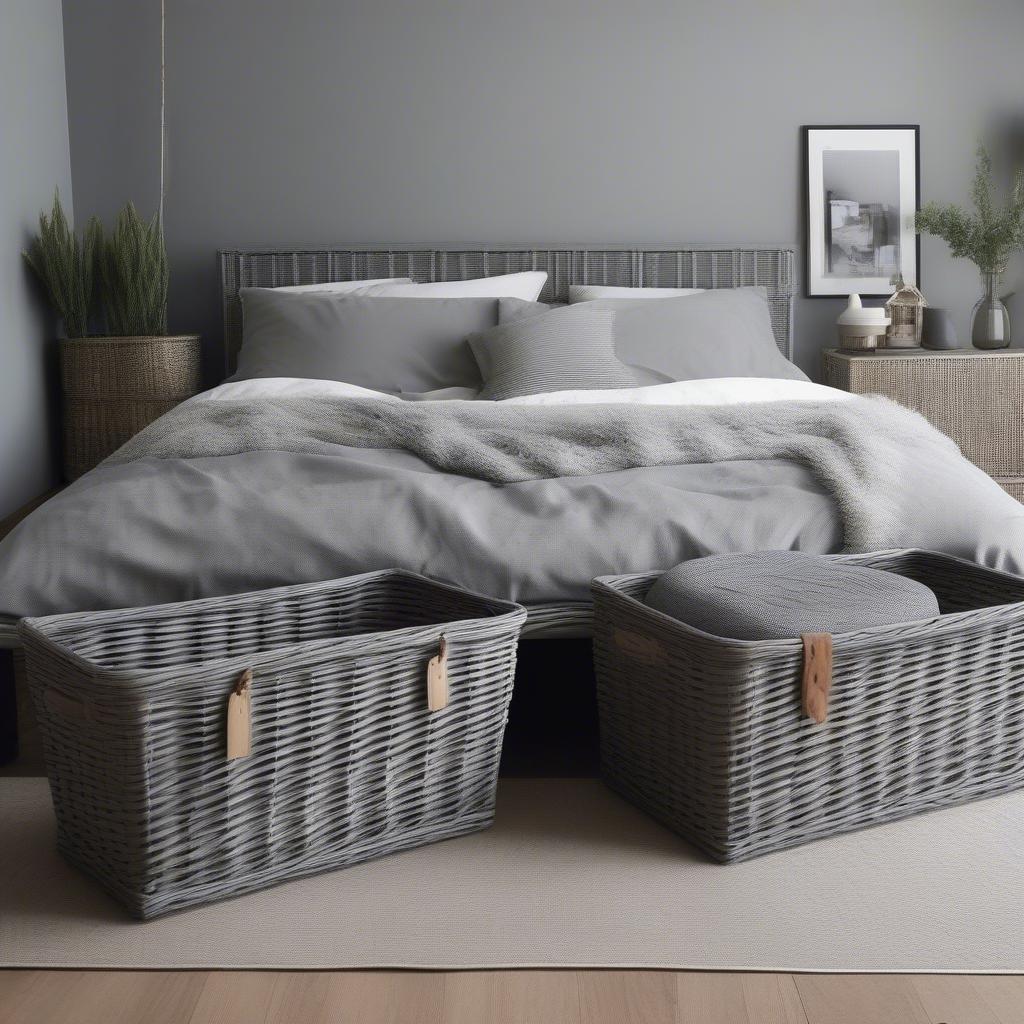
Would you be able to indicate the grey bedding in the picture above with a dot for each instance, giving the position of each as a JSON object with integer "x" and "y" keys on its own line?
{"x": 187, "y": 512}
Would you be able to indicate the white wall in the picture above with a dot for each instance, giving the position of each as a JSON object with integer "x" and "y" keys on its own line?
{"x": 34, "y": 159}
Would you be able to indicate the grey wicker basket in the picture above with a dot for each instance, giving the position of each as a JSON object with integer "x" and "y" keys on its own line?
{"x": 347, "y": 762}
{"x": 113, "y": 387}
{"x": 707, "y": 734}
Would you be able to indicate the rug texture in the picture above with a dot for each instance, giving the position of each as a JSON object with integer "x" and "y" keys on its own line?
{"x": 570, "y": 876}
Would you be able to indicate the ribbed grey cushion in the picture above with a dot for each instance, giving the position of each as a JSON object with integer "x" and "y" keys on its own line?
{"x": 777, "y": 595}
{"x": 510, "y": 310}
{"x": 566, "y": 349}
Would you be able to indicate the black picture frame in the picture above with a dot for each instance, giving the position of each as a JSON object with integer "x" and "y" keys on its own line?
{"x": 815, "y": 245}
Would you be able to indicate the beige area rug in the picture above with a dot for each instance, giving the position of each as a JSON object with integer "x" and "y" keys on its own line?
{"x": 570, "y": 876}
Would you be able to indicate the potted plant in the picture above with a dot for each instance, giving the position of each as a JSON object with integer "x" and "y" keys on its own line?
{"x": 987, "y": 239}
{"x": 116, "y": 382}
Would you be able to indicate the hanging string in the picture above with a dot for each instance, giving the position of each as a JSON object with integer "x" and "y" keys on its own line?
{"x": 163, "y": 115}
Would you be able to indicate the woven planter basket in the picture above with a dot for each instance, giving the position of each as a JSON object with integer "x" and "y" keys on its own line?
{"x": 347, "y": 762}
{"x": 707, "y": 734}
{"x": 113, "y": 387}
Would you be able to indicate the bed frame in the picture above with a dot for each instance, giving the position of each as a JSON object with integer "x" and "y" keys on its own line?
{"x": 653, "y": 266}
{"x": 637, "y": 266}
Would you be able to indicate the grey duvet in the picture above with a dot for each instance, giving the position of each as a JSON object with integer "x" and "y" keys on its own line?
{"x": 273, "y": 482}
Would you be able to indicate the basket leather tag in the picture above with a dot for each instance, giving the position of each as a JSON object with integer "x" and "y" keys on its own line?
{"x": 817, "y": 678}
{"x": 437, "y": 679}
{"x": 240, "y": 717}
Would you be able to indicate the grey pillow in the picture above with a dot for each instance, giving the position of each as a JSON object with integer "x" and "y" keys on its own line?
{"x": 725, "y": 332}
{"x": 510, "y": 309}
{"x": 388, "y": 344}
{"x": 778, "y": 595}
{"x": 567, "y": 349}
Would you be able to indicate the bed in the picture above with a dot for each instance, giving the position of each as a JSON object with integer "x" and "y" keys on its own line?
{"x": 223, "y": 497}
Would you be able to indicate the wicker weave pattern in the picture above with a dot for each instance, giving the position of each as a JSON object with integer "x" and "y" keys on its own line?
{"x": 637, "y": 267}
{"x": 707, "y": 734}
{"x": 977, "y": 399}
{"x": 347, "y": 763}
{"x": 113, "y": 387}
{"x": 1014, "y": 486}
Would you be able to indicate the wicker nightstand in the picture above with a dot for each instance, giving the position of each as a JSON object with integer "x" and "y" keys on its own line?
{"x": 977, "y": 398}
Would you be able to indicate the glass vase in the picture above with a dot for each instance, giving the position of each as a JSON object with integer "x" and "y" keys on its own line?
{"x": 990, "y": 321}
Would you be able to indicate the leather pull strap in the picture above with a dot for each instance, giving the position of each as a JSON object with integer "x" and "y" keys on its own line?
{"x": 239, "y": 717}
{"x": 817, "y": 681}
{"x": 437, "y": 679}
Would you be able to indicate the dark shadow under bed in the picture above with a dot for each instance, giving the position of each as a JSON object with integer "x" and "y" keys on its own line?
{"x": 552, "y": 724}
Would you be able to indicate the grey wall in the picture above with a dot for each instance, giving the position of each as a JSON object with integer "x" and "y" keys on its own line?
{"x": 314, "y": 122}
{"x": 33, "y": 159}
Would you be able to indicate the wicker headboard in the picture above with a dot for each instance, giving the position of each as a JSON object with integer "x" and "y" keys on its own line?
{"x": 633, "y": 266}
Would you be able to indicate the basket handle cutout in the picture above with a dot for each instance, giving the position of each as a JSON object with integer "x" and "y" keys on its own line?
{"x": 61, "y": 704}
{"x": 437, "y": 678}
{"x": 639, "y": 647}
{"x": 240, "y": 717}
{"x": 817, "y": 675}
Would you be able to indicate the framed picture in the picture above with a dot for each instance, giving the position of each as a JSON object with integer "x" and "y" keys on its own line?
{"x": 862, "y": 184}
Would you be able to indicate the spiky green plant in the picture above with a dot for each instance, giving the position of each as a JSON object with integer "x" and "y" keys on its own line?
{"x": 65, "y": 264}
{"x": 989, "y": 237}
{"x": 133, "y": 275}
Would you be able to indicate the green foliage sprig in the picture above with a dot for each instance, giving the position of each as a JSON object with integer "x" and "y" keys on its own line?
{"x": 66, "y": 265}
{"x": 133, "y": 275}
{"x": 124, "y": 272}
{"x": 989, "y": 237}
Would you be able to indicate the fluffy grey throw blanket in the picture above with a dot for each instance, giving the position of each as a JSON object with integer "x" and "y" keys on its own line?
{"x": 860, "y": 449}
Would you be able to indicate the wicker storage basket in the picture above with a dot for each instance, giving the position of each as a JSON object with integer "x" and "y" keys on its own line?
{"x": 113, "y": 387}
{"x": 708, "y": 736}
{"x": 347, "y": 762}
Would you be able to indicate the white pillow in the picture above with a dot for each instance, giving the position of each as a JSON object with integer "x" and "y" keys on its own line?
{"x": 527, "y": 285}
{"x": 340, "y": 287}
{"x": 589, "y": 292}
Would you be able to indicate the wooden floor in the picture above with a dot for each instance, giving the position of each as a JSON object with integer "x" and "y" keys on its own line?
{"x": 503, "y": 997}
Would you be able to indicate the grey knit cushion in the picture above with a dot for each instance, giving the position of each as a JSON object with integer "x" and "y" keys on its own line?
{"x": 777, "y": 595}
{"x": 567, "y": 349}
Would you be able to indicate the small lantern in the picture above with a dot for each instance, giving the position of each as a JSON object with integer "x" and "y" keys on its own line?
{"x": 905, "y": 310}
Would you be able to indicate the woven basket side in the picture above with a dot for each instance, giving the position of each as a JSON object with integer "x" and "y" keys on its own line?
{"x": 347, "y": 763}
{"x": 365, "y": 610}
{"x": 113, "y": 387}
{"x": 925, "y": 715}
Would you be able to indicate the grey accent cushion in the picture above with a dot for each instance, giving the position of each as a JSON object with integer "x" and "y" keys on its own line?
{"x": 388, "y": 344}
{"x": 510, "y": 310}
{"x": 777, "y": 595}
{"x": 567, "y": 349}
